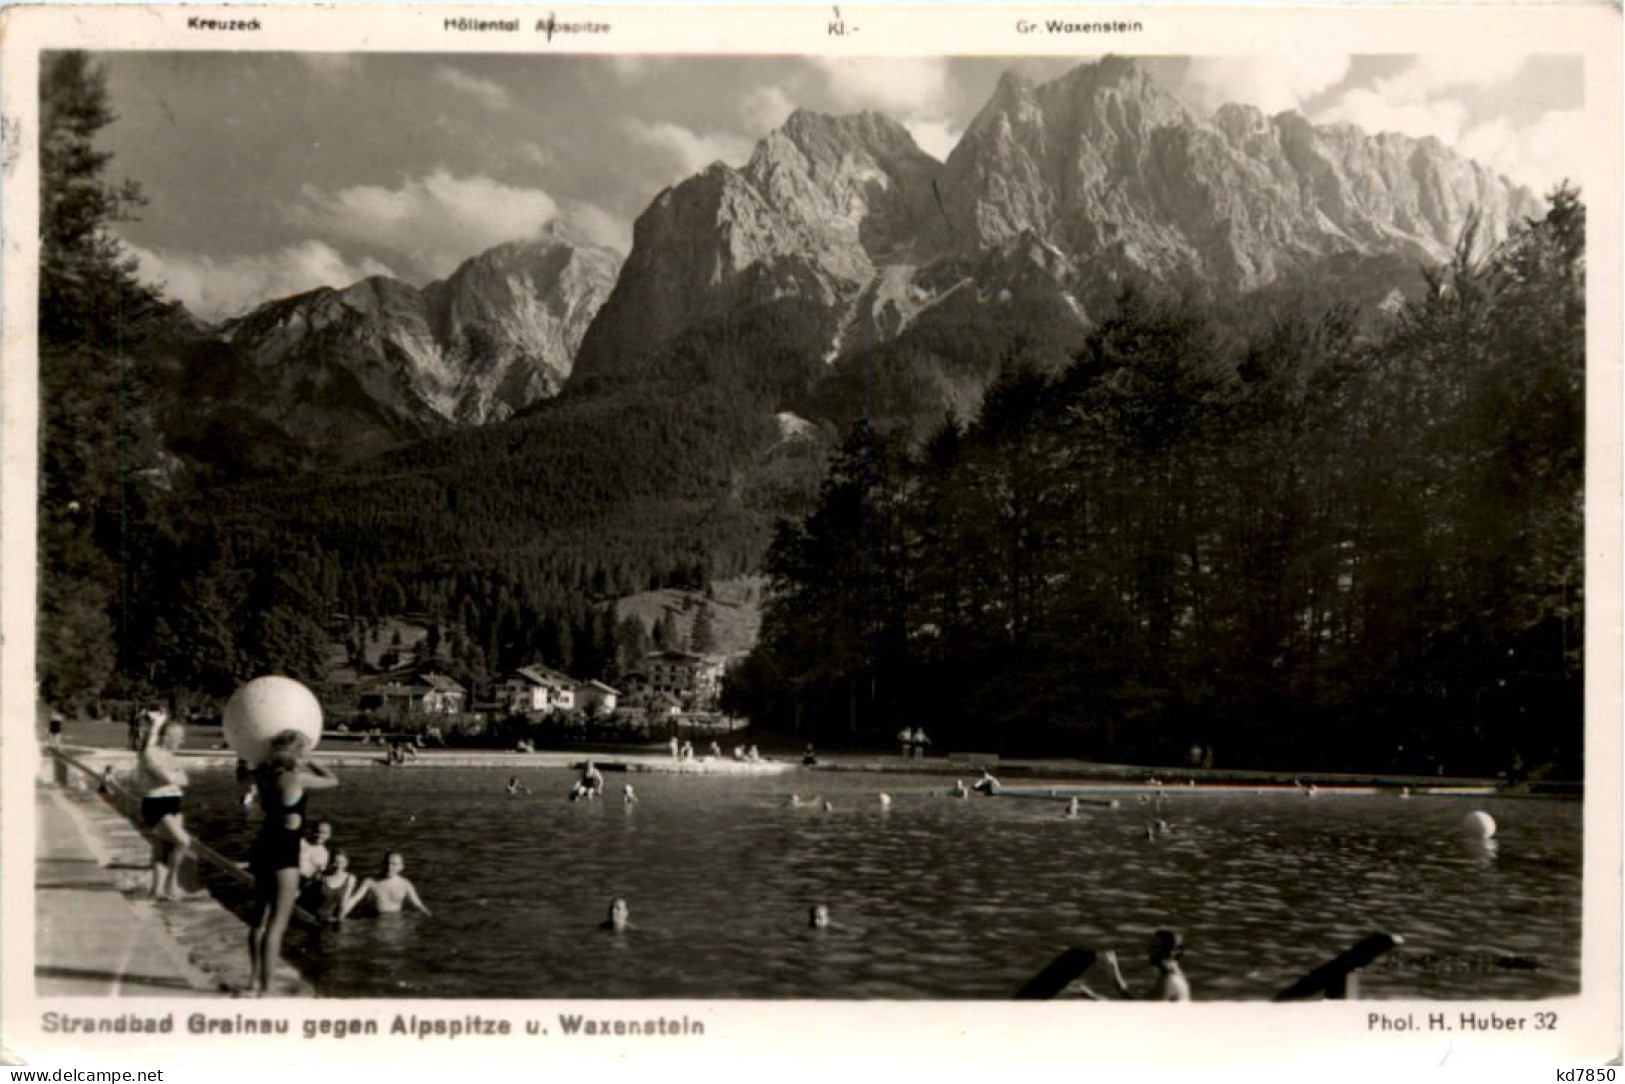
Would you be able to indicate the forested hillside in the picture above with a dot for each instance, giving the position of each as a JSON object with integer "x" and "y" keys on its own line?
{"x": 1305, "y": 546}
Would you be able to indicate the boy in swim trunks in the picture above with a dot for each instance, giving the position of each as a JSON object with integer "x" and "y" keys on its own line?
{"x": 390, "y": 892}
{"x": 161, "y": 808}
{"x": 1169, "y": 984}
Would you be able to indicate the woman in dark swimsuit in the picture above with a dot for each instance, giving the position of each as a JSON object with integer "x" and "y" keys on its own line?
{"x": 283, "y": 781}
{"x": 327, "y": 893}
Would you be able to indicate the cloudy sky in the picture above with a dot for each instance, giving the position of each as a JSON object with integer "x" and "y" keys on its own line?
{"x": 270, "y": 174}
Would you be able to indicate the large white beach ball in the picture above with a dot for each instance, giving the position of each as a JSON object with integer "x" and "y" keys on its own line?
{"x": 1478, "y": 825}
{"x": 264, "y": 708}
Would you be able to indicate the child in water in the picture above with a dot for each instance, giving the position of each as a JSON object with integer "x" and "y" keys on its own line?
{"x": 620, "y": 917}
{"x": 390, "y": 892}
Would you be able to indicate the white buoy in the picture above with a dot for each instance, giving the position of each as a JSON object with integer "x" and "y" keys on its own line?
{"x": 1478, "y": 825}
{"x": 264, "y": 708}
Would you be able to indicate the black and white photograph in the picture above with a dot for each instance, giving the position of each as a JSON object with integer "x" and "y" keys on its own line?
{"x": 1061, "y": 518}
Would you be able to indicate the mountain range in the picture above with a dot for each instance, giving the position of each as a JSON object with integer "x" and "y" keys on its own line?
{"x": 912, "y": 279}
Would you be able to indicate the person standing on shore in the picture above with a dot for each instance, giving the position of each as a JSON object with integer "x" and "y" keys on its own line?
{"x": 284, "y": 782}
{"x": 165, "y": 786}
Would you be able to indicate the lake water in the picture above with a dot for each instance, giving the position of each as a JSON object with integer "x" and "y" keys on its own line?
{"x": 935, "y": 898}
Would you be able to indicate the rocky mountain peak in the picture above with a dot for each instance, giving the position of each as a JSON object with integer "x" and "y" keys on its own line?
{"x": 822, "y": 202}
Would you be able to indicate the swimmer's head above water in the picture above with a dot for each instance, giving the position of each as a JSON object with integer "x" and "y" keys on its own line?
{"x": 1165, "y": 945}
{"x": 394, "y": 863}
{"x": 620, "y": 915}
{"x": 818, "y": 917}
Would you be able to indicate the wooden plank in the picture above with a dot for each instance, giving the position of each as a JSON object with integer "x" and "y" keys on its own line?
{"x": 1335, "y": 979}
{"x": 1057, "y": 975}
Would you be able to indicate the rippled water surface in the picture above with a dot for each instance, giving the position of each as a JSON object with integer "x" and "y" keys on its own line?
{"x": 935, "y": 898}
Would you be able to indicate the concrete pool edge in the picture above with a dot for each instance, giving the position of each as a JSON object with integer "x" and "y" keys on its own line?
{"x": 199, "y": 943}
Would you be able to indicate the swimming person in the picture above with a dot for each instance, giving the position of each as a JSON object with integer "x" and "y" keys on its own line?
{"x": 313, "y": 856}
{"x": 390, "y": 891}
{"x": 1071, "y": 809}
{"x": 629, "y": 797}
{"x": 818, "y": 917}
{"x": 245, "y": 789}
{"x": 959, "y": 790}
{"x": 986, "y": 784}
{"x": 1169, "y": 984}
{"x": 285, "y": 781}
{"x": 165, "y": 784}
{"x": 592, "y": 780}
{"x": 514, "y": 789}
{"x": 325, "y": 895}
{"x": 620, "y": 917}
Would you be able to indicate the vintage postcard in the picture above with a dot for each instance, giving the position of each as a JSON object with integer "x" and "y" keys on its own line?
{"x": 690, "y": 536}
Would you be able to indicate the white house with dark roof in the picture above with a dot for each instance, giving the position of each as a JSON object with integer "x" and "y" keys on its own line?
{"x": 596, "y": 696}
{"x": 444, "y": 696}
{"x": 537, "y": 690}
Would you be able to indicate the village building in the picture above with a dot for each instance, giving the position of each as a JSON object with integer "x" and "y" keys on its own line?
{"x": 596, "y": 697}
{"x": 430, "y": 694}
{"x": 445, "y": 696}
{"x": 537, "y": 690}
{"x": 688, "y": 677}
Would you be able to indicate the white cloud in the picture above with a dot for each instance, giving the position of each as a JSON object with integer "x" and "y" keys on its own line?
{"x": 535, "y": 154}
{"x": 214, "y": 288}
{"x": 935, "y": 137}
{"x": 434, "y": 222}
{"x": 766, "y": 108}
{"x": 903, "y": 88}
{"x": 1379, "y": 110}
{"x": 1272, "y": 83}
{"x": 1431, "y": 98}
{"x": 600, "y": 225}
{"x": 489, "y": 94}
{"x": 689, "y": 151}
{"x": 1539, "y": 155}
{"x": 913, "y": 92}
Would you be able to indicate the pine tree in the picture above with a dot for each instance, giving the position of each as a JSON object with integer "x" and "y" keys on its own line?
{"x": 92, "y": 415}
{"x": 702, "y": 637}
